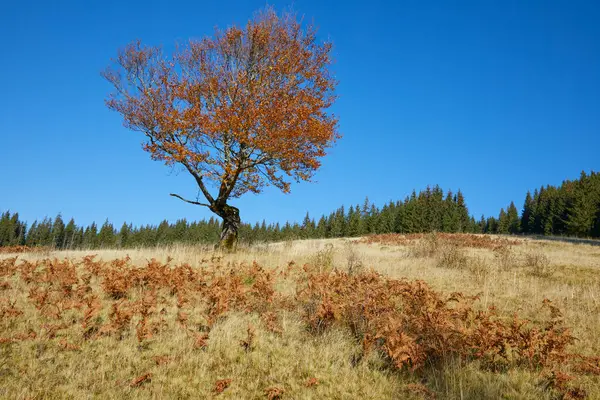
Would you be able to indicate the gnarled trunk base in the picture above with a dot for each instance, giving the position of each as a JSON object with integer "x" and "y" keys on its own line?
{"x": 230, "y": 227}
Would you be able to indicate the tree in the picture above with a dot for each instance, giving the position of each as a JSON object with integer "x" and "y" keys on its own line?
{"x": 58, "y": 232}
{"x": 106, "y": 236}
{"x": 503, "y": 222}
{"x": 69, "y": 236}
{"x": 242, "y": 110}
{"x": 6, "y": 229}
{"x": 526, "y": 214}
{"x": 308, "y": 227}
{"x": 512, "y": 216}
{"x": 463, "y": 212}
{"x": 124, "y": 235}
{"x": 481, "y": 225}
{"x": 90, "y": 236}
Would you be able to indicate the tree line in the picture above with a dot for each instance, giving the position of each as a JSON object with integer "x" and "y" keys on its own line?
{"x": 426, "y": 211}
{"x": 570, "y": 209}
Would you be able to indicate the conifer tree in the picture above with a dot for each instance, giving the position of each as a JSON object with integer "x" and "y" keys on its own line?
{"x": 44, "y": 229}
{"x": 526, "y": 213}
{"x": 308, "y": 227}
{"x": 512, "y": 216}
{"x": 5, "y": 229}
{"x": 124, "y": 236}
{"x": 503, "y": 222}
{"x": 463, "y": 212}
{"x": 482, "y": 225}
{"x": 90, "y": 236}
{"x": 58, "y": 233}
{"x": 69, "y": 235}
{"x": 321, "y": 227}
{"x": 354, "y": 228}
{"x": 106, "y": 236}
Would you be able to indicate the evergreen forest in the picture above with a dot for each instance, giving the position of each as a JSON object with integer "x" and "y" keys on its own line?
{"x": 571, "y": 209}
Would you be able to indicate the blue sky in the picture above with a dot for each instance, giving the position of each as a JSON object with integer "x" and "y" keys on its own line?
{"x": 492, "y": 97}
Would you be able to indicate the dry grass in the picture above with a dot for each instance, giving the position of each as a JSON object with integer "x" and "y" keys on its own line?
{"x": 262, "y": 350}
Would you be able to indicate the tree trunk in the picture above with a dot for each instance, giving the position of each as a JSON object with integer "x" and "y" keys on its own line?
{"x": 230, "y": 227}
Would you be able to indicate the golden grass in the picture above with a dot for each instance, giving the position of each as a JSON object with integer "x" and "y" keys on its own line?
{"x": 299, "y": 364}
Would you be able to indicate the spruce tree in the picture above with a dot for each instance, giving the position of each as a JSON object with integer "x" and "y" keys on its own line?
{"x": 354, "y": 228}
{"x": 503, "y": 222}
{"x": 308, "y": 227}
{"x": 512, "y": 216}
{"x": 526, "y": 213}
{"x": 124, "y": 236}
{"x": 69, "y": 236}
{"x": 463, "y": 212}
{"x": 482, "y": 225}
{"x": 58, "y": 233}
{"x": 106, "y": 236}
{"x": 90, "y": 239}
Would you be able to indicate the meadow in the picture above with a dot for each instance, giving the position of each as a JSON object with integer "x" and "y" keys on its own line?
{"x": 449, "y": 316}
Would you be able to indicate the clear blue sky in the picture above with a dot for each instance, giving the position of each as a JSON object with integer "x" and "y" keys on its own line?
{"x": 492, "y": 97}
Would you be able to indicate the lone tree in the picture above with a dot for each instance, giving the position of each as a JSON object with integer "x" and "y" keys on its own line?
{"x": 239, "y": 111}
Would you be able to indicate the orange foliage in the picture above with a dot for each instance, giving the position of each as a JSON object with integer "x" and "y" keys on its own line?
{"x": 221, "y": 385}
{"x": 21, "y": 249}
{"x": 274, "y": 393}
{"x": 310, "y": 382}
{"x": 244, "y": 109}
{"x": 248, "y": 342}
{"x": 160, "y": 360}
{"x": 412, "y": 325}
{"x": 135, "y": 382}
{"x": 455, "y": 239}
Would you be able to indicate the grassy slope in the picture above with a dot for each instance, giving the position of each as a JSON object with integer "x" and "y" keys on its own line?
{"x": 105, "y": 367}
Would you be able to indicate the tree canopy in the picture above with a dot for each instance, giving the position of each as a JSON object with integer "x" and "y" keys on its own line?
{"x": 243, "y": 109}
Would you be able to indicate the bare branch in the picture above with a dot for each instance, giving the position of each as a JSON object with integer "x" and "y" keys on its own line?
{"x": 190, "y": 201}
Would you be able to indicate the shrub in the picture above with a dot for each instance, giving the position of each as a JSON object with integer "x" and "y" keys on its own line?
{"x": 538, "y": 264}
{"x": 354, "y": 262}
{"x": 452, "y": 257}
{"x": 478, "y": 268}
{"x": 505, "y": 257}
{"x": 427, "y": 246}
{"x": 322, "y": 260}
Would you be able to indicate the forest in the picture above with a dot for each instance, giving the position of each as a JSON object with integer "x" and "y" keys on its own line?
{"x": 571, "y": 209}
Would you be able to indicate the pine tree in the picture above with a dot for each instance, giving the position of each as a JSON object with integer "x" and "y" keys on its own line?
{"x": 409, "y": 214}
{"x": 491, "y": 225}
{"x": 44, "y": 229}
{"x": 58, "y": 233}
{"x": 308, "y": 227}
{"x": 354, "y": 228}
{"x": 106, "y": 236}
{"x": 69, "y": 235}
{"x": 385, "y": 221}
{"x": 502, "y": 222}
{"x": 463, "y": 212}
{"x": 124, "y": 236}
{"x": 78, "y": 238}
{"x": 31, "y": 239}
{"x": 526, "y": 214}
{"x": 482, "y": 225}
{"x": 163, "y": 233}
{"x": 90, "y": 239}
{"x": 338, "y": 226}
{"x": 451, "y": 215}
{"x": 321, "y": 227}
{"x": 512, "y": 216}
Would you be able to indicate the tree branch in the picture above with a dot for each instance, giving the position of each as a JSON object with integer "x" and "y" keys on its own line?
{"x": 190, "y": 201}
{"x": 199, "y": 181}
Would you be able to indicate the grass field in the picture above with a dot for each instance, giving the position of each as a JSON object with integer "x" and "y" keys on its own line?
{"x": 367, "y": 318}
